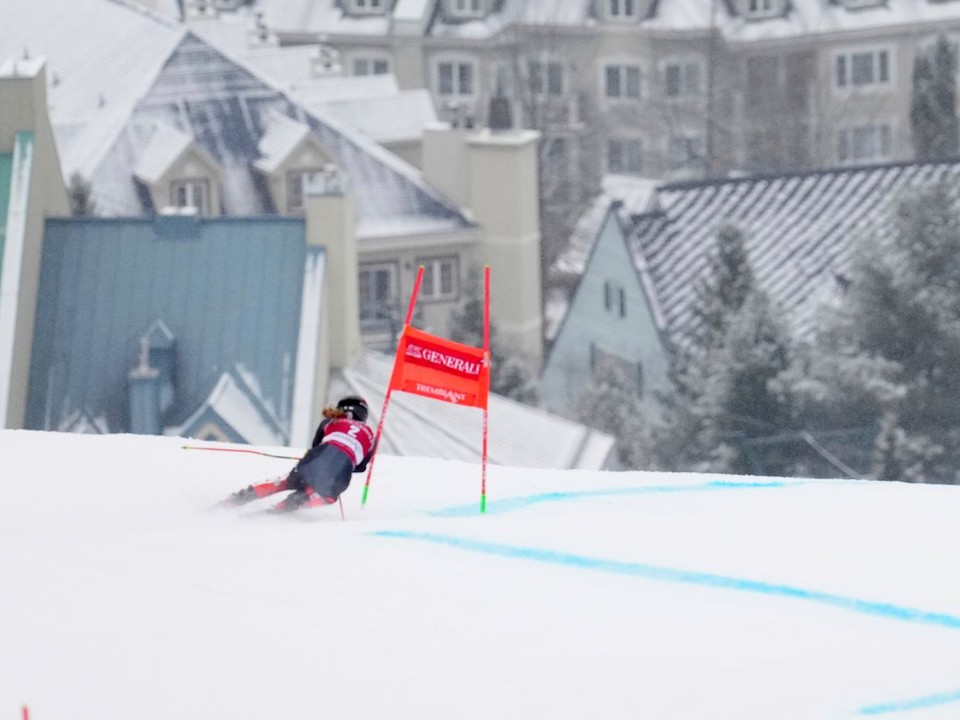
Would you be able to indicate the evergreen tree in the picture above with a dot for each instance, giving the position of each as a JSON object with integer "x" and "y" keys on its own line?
{"x": 80, "y": 195}
{"x": 890, "y": 353}
{"x": 933, "y": 110}
{"x": 721, "y": 377}
{"x": 510, "y": 375}
{"x": 611, "y": 404}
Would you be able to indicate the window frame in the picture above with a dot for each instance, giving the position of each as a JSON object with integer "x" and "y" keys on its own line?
{"x": 370, "y": 58}
{"x": 368, "y": 7}
{"x": 457, "y": 63}
{"x": 842, "y": 64}
{"x": 761, "y": 9}
{"x": 540, "y": 77}
{"x": 375, "y": 323}
{"x": 470, "y": 10}
{"x": 846, "y": 137}
{"x": 194, "y": 181}
{"x": 432, "y": 265}
{"x": 601, "y": 357}
{"x": 683, "y": 63}
{"x": 626, "y": 168}
{"x": 622, "y": 68}
{"x": 617, "y": 10}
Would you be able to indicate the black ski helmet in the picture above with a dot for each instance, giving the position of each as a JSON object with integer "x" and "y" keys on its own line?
{"x": 356, "y": 406}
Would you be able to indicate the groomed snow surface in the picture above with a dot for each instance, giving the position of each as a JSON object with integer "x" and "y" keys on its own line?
{"x": 577, "y": 595}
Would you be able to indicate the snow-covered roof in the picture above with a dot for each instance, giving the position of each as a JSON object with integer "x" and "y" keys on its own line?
{"x": 114, "y": 80}
{"x": 803, "y": 17}
{"x": 519, "y": 435}
{"x": 164, "y": 148}
{"x": 799, "y": 231}
{"x": 237, "y": 400}
{"x": 632, "y": 196}
{"x": 282, "y": 136}
{"x": 402, "y": 116}
{"x": 326, "y": 16}
{"x": 371, "y": 104}
{"x": 101, "y": 57}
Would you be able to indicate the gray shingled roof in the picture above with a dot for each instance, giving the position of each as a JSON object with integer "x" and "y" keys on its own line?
{"x": 228, "y": 290}
{"x": 799, "y": 232}
{"x": 228, "y": 109}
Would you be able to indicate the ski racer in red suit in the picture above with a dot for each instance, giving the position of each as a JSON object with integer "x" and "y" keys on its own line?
{"x": 342, "y": 445}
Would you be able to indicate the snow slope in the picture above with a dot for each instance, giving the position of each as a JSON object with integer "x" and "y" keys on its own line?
{"x": 578, "y": 594}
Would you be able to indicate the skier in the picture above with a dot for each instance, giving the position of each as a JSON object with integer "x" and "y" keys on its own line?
{"x": 342, "y": 445}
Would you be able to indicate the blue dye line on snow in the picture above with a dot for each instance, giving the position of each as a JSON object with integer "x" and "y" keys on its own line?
{"x": 665, "y": 574}
{"x": 510, "y": 504}
{"x": 915, "y": 704}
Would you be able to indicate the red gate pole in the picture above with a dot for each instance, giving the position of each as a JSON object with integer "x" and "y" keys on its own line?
{"x": 386, "y": 399}
{"x": 486, "y": 384}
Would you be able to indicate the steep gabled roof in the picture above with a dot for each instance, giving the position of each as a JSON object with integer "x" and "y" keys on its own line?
{"x": 799, "y": 231}
{"x": 227, "y": 108}
{"x": 101, "y": 57}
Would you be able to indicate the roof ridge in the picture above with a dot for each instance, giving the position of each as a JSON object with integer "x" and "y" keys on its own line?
{"x": 809, "y": 172}
{"x": 358, "y": 139}
{"x": 142, "y": 10}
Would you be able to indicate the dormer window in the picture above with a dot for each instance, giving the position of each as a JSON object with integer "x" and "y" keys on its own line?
{"x": 367, "y": 7}
{"x": 624, "y": 10}
{"x": 759, "y": 9}
{"x": 177, "y": 172}
{"x": 191, "y": 193}
{"x": 466, "y": 9}
{"x": 297, "y": 180}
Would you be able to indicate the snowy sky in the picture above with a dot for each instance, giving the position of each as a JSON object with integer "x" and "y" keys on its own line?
{"x": 578, "y": 594}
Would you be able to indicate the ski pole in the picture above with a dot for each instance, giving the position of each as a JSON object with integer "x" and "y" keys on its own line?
{"x": 241, "y": 450}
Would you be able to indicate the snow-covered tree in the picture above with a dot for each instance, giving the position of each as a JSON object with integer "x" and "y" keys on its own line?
{"x": 890, "y": 351}
{"x": 611, "y": 404}
{"x": 933, "y": 109}
{"x": 720, "y": 391}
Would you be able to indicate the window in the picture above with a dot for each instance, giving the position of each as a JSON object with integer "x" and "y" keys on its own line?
{"x": 762, "y": 8}
{"x": 378, "y": 297}
{"x": 608, "y": 365}
{"x": 371, "y": 66}
{"x": 862, "y": 68}
{"x": 622, "y": 82}
{"x": 440, "y": 278}
{"x": 555, "y": 158}
{"x": 865, "y": 144}
{"x": 368, "y": 7}
{"x": 684, "y": 151}
{"x": 614, "y": 299}
{"x": 191, "y": 192}
{"x": 625, "y": 156}
{"x": 546, "y": 78}
{"x": 455, "y": 77}
{"x": 681, "y": 78}
{"x": 297, "y": 181}
{"x": 622, "y": 9}
{"x": 465, "y": 8}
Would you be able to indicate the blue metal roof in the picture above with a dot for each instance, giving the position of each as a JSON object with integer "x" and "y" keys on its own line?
{"x": 228, "y": 289}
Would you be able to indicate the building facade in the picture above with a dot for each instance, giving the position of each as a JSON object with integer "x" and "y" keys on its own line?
{"x": 670, "y": 89}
